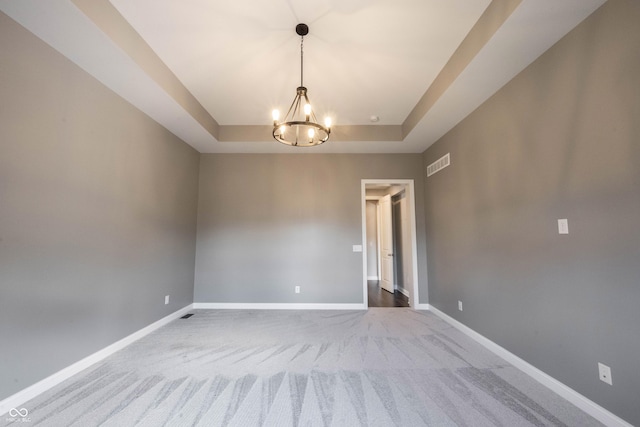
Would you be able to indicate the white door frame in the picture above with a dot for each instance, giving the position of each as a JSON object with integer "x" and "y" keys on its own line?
{"x": 409, "y": 184}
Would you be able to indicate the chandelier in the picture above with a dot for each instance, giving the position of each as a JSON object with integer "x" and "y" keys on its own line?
{"x": 300, "y": 127}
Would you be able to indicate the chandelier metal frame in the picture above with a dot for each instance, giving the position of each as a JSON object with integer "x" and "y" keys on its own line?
{"x": 300, "y": 127}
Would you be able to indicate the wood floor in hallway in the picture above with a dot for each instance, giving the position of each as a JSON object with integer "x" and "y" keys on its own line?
{"x": 378, "y": 297}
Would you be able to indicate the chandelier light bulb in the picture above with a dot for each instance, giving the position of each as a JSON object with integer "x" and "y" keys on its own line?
{"x": 327, "y": 122}
{"x": 312, "y": 133}
{"x": 276, "y": 115}
{"x": 307, "y": 109}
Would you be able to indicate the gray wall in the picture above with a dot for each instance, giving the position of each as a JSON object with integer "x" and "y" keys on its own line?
{"x": 98, "y": 209}
{"x": 562, "y": 140}
{"x": 267, "y": 223}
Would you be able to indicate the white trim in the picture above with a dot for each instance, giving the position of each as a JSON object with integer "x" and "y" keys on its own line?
{"x": 587, "y": 405}
{"x": 423, "y": 307}
{"x": 378, "y": 243}
{"x": 375, "y": 199}
{"x": 414, "y": 244}
{"x": 365, "y": 286}
{"x": 18, "y": 399}
{"x": 275, "y": 306}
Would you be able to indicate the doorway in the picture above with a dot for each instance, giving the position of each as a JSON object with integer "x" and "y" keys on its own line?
{"x": 390, "y": 276}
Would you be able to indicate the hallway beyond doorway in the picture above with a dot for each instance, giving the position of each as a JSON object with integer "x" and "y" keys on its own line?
{"x": 397, "y": 263}
{"x": 378, "y": 297}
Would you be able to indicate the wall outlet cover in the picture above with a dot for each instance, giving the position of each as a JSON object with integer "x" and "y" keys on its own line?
{"x": 460, "y": 305}
{"x": 604, "y": 372}
{"x": 166, "y": 299}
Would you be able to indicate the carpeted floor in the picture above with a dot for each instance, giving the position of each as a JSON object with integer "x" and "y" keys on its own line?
{"x": 381, "y": 367}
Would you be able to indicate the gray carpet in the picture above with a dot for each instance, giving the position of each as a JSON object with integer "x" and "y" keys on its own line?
{"x": 381, "y": 367}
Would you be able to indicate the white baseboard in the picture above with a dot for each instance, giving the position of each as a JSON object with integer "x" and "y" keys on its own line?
{"x": 18, "y": 399}
{"x": 372, "y": 278}
{"x": 275, "y": 306}
{"x": 423, "y": 307}
{"x": 588, "y": 406}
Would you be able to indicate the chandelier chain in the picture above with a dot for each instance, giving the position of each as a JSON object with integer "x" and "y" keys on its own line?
{"x": 301, "y": 60}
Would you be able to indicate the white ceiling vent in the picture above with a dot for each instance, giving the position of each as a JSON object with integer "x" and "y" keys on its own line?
{"x": 438, "y": 165}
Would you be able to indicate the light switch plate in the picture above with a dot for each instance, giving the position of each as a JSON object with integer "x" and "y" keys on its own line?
{"x": 563, "y": 226}
{"x": 357, "y": 248}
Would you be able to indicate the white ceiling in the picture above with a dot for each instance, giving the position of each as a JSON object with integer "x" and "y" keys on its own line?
{"x": 242, "y": 61}
{"x": 239, "y": 60}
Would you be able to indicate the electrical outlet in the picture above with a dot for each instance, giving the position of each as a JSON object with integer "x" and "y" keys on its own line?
{"x": 297, "y": 289}
{"x": 460, "y": 305}
{"x": 604, "y": 373}
{"x": 166, "y": 299}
